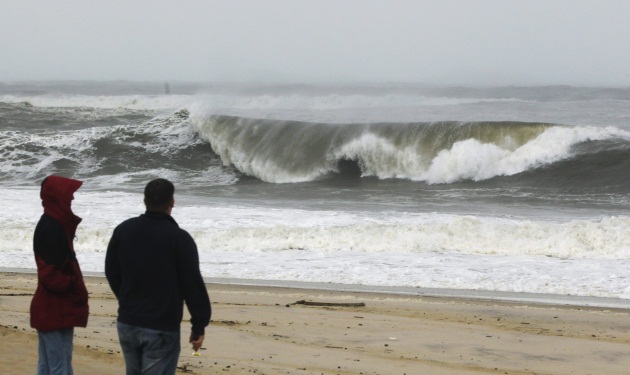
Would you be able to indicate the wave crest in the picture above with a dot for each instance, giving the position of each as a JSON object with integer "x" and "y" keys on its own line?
{"x": 441, "y": 152}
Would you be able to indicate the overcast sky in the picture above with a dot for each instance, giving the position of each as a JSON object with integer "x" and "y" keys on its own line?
{"x": 470, "y": 42}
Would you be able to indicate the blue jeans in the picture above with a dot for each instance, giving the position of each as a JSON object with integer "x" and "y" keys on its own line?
{"x": 149, "y": 351}
{"x": 55, "y": 352}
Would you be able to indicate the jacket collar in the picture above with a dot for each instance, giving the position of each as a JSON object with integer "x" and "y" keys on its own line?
{"x": 159, "y": 215}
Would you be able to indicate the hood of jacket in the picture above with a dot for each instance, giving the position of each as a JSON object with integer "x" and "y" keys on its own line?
{"x": 57, "y": 194}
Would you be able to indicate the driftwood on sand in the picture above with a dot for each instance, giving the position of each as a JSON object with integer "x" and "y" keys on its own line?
{"x": 329, "y": 304}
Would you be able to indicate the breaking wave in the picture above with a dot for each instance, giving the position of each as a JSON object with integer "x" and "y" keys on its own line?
{"x": 437, "y": 153}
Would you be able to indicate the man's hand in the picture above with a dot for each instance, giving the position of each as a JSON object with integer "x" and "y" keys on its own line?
{"x": 196, "y": 341}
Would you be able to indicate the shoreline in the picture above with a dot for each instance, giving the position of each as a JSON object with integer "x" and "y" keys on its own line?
{"x": 265, "y": 330}
{"x": 473, "y": 294}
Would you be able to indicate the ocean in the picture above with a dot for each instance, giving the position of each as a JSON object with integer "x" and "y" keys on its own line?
{"x": 511, "y": 189}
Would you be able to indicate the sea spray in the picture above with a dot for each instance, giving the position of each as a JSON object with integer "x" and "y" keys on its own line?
{"x": 513, "y": 189}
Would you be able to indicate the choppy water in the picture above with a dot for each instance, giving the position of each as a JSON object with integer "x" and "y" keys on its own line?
{"x": 516, "y": 189}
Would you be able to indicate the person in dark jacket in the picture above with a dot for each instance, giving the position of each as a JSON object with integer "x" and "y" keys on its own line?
{"x": 152, "y": 267}
{"x": 60, "y": 302}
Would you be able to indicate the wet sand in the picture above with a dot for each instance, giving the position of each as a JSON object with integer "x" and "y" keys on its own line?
{"x": 262, "y": 330}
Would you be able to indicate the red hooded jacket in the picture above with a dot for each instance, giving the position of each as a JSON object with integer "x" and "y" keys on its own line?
{"x": 61, "y": 299}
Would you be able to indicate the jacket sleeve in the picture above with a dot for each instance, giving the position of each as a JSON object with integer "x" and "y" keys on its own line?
{"x": 112, "y": 266}
{"x": 192, "y": 284}
{"x": 52, "y": 253}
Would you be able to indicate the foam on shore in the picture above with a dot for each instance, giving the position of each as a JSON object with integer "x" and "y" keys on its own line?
{"x": 527, "y": 298}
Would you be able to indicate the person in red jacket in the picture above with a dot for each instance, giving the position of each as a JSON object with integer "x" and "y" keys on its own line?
{"x": 60, "y": 302}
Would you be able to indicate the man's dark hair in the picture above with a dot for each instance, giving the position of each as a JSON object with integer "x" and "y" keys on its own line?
{"x": 158, "y": 194}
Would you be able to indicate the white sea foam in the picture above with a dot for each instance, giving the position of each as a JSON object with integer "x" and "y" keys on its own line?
{"x": 337, "y": 101}
{"x": 222, "y": 102}
{"x": 474, "y": 160}
{"x": 582, "y": 257}
{"x": 139, "y": 102}
{"x": 380, "y": 157}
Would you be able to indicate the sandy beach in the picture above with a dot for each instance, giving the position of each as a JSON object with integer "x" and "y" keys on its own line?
{"x": 269, "y": 330}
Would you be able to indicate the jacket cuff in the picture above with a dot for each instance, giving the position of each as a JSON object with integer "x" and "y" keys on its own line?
{"x": 199, "y": 330}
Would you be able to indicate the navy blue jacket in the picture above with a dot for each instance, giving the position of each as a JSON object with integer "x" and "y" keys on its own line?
{"x": 152, "y": 266}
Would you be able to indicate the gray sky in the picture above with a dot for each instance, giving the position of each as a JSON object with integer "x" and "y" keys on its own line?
{"x": 470, "y": 42}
